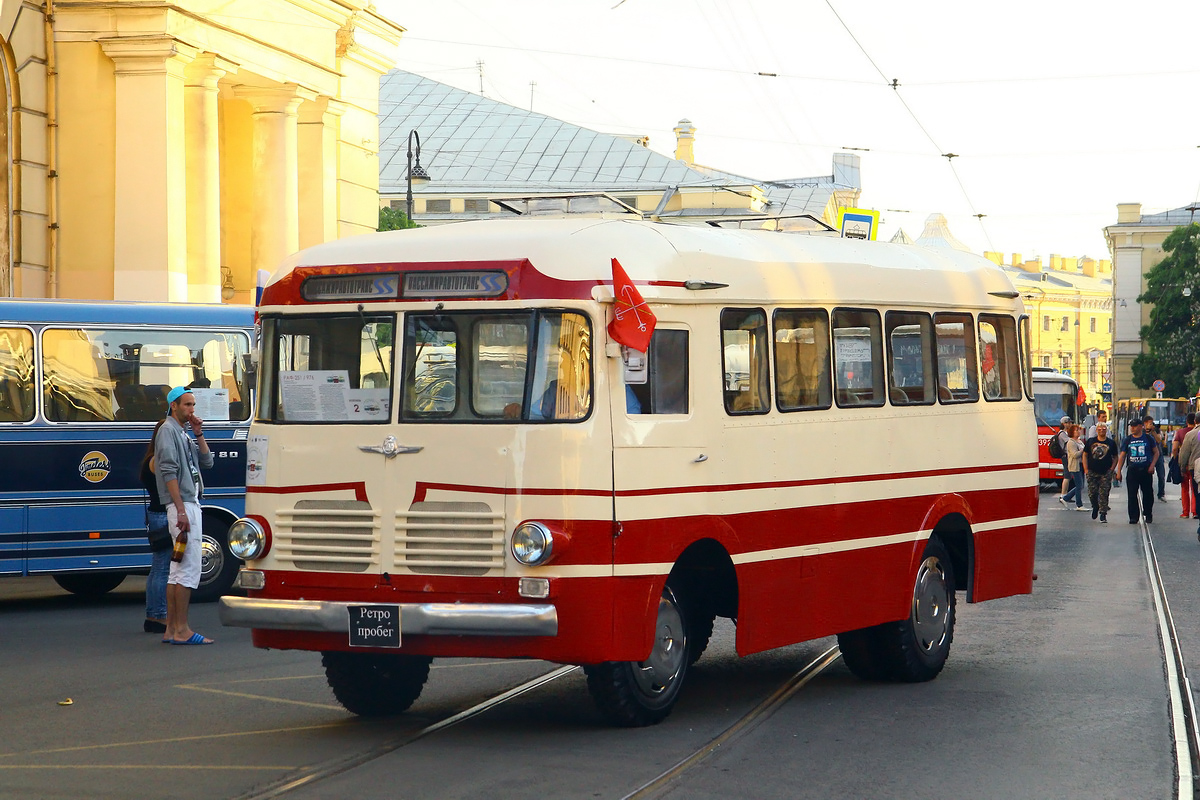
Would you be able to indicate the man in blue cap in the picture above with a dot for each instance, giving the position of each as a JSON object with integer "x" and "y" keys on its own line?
{"x": 177, "y": 464}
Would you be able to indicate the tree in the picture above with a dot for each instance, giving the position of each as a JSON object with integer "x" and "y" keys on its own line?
{"x": 393, "y": 219}
{"x": 1172, "y": 338}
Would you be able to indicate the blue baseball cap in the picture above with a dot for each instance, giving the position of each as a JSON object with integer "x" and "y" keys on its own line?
{"x": 176, "y": 393}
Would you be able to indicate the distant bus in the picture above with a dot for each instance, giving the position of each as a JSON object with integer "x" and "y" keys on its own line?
{"x": 81, "y": 388}
{"x": 1054, "y": 397}
{"x": 1170, "y": 414}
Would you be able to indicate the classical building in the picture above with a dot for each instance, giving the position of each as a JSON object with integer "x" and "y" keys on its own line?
{"x": 169, "y": 151}
{"x": 485, "y": 158}
{"x": 1135, "y": 244}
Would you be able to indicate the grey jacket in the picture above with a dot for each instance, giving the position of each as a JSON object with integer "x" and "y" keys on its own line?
{"x": 174, "y": 455}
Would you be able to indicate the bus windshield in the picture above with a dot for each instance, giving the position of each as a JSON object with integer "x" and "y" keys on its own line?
{"x": 1052, "y": 402}
{"x": 497, "y": 366}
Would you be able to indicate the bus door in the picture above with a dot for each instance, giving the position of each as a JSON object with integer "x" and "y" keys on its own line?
{"x": 663, "y": 460}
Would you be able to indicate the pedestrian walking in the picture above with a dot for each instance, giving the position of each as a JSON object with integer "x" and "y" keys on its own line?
{"x": 1160, "y": 466}
{"x": 1074, "y": 468}
{"x": 1099, "y": 457}
{"x": 1187, "y": 492}
{"x": 1138, "y": 453}
{"x": 1063, "y": 435}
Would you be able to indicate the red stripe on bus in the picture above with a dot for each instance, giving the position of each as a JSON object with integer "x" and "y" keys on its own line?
{"x": 423, "y": 488}
{"x": 358, "y": 487}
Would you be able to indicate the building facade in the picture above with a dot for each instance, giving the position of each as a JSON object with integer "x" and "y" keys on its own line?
{"x": 1070, "y": 306}
{"x": 170, "y": 151}
{"x": 1135, "y": 243}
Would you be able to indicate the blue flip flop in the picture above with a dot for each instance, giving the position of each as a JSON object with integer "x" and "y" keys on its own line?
{"x": 195, "y": 639}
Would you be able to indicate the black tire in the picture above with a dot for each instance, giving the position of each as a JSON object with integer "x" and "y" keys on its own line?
{"x": 375, "y": 684}
{"x": 218, "y": 566}
{"x": 700, "y": 628}
{"x": 633, "y": 694}
{"x": 914, "y": 649}
{"x": 90, "y": 584}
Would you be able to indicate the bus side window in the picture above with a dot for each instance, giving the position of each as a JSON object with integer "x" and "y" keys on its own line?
{"x": 77, "y": 384}
{"x": 956, "y": 373}
{"x": 745, "y": 361}
{"x": 802, "y": 359}
{"x": 910, "y": 358}
{"x": 858, "y": 357}
{"x": 666, "y": 388}
{"x": 16, "y": 375}
{"x": 999, "y": 357}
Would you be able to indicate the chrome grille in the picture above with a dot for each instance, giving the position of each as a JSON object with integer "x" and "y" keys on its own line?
{"x": 328, "y": 535}
{"x": 438, "y": 538}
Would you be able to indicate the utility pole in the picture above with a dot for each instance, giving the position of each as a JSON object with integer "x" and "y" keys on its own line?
{"x": 531, "y": 85}
{"x": 479, "y": 66}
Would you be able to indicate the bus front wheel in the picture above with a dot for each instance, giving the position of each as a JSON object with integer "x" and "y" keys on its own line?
{"x": 639, "y": 693}
{"x": 90, "y": 584}
{"x": 914, "y": 649}
{"x": 218, "y": 566}
{"x": 375, "y": 684}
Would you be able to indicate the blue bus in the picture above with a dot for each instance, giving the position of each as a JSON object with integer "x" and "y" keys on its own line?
{"x": 81, "y": 388}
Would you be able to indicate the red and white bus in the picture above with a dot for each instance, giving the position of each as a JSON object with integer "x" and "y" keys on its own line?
{"x": 1055, "y": 396}
{"x": 453, "y": 458}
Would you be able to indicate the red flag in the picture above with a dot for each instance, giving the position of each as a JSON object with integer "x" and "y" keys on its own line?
{"x": 1081, "y": 398}
{"x": 633, "y": 323}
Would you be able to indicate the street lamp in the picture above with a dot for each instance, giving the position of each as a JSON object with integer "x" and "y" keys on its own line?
{"x": 416, "y": 174}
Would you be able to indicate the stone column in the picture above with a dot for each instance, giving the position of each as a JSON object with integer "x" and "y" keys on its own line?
{"x": 150, "y": 225}
{"x": 318, "y": 136}
{"x": 275, "y": 232}
{"x": 202, "y": 140}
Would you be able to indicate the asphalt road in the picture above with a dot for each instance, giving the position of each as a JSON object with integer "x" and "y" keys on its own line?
{"x": 1058, "y": 695}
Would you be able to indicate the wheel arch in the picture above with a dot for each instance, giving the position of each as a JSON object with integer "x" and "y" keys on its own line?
{"x": 955, "y": 533}
{"x": 707, "y": 572}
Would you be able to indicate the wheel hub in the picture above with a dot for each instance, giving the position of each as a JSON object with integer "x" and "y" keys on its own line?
{"x": 931, "y": 602}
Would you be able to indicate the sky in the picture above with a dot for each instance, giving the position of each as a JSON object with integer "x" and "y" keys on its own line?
{"x": 1055, "y": 111}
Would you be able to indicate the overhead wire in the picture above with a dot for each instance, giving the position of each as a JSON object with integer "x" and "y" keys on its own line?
{"x": 894, "y": 83}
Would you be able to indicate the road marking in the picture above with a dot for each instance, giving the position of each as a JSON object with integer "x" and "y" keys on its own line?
{"x": 177, "y": 739}
{"x": 209, "y": 767}
{"x": 198, "y": 688}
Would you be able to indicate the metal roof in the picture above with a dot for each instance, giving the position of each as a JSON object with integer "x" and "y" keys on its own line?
{"x": 475, "y": 145}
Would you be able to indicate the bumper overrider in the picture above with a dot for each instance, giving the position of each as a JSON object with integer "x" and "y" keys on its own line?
{"x": 428, "y": 619}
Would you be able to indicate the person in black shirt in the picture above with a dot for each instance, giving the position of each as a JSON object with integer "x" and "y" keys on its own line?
{"x": 1099, "y": 456}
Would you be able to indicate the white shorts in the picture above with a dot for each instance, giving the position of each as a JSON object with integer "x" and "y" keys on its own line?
{"x": 186, "y": 572}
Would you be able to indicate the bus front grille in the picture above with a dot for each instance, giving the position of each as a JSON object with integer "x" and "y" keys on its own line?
{"x": 437, "y": 538}
{"x": 329, "y": 535}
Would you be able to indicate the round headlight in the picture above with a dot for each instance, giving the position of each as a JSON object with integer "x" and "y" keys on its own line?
{"x": 532, "y": 543}
{"x": 247, "y": 539}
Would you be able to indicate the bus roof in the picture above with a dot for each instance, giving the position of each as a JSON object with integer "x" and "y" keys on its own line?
{"x": 125, "y": 313}
{"x": 573, "y": 255}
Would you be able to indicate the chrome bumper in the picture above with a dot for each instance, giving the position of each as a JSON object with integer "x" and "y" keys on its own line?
{"x": 430, "y": 619}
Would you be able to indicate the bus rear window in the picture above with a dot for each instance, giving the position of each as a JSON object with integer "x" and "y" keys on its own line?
{"x": 118, "y": 375}
{"x": 497, "y": 367}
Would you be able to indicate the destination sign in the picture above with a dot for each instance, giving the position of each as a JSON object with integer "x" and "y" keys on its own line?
{"x": 351, "y": 287}
{"x": 455, "y": 284}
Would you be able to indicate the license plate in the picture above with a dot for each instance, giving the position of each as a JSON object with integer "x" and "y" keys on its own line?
{"x": 374, "y": 626}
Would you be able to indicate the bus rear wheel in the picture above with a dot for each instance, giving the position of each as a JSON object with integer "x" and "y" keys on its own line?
{"x": 375, "y": 684}
{"x": 914, "y": 649}
{"x": 638, "y": 693}
{"x": 90, "y": 584}
{"x": 218, "y": 566}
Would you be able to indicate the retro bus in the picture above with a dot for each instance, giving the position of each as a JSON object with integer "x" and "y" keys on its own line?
{"x": 1055, "y": 396}
{"x": 81, "y": 388}
{"x": 1169, "y": 413}
{"x": 516, "y": 483}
